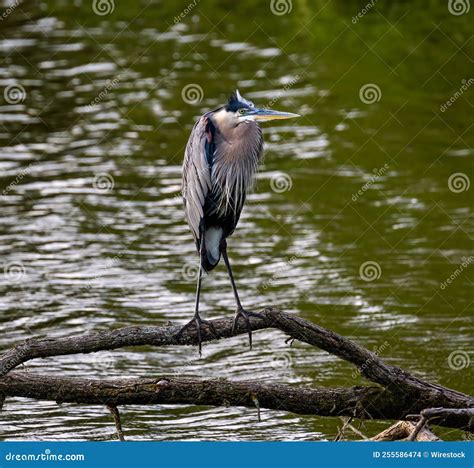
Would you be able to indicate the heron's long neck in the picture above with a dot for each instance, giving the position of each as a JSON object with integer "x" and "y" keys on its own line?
{"x": 238, "y": 152}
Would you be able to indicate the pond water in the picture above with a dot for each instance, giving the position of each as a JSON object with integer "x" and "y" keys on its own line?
{"x": 360, "y": 221}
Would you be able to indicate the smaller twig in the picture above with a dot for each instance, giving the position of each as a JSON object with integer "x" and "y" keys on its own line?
{"x": 354, "y": 429}
{"x": 340, "y": 432}
{"x": 419, "y": 426}
{"x": 257, "y": 405}
{"x": 118, "y": 423}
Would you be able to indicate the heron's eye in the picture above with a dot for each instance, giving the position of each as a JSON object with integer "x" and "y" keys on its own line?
{"x": 241, "y": 111}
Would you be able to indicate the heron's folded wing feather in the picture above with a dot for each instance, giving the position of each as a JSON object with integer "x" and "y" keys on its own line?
{"x": 197, "y": 174}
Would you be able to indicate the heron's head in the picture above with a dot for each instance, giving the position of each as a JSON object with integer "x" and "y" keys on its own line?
{"x": 239, "y": 110}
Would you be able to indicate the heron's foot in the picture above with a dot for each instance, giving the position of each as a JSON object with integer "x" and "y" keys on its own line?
{"x": 245, "y": 314}
{"x": 198, "y": 323}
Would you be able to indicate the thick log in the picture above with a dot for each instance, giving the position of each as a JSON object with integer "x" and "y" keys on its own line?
{"x": 358, "y": 401}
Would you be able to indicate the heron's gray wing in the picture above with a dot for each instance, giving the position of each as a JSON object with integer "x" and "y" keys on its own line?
{"x": 197, "y": 175}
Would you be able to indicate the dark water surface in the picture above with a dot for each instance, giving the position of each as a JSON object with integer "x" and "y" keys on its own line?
{"x": 95, "y": 112}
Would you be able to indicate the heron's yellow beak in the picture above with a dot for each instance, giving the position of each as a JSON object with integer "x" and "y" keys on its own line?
{"x": 263, "y": 115}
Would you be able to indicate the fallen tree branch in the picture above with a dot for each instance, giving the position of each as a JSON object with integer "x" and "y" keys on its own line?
{"x": 438, "y": 414}
{"x": 360, "y": 402}
{"x": 118, "y": 422}
{"x": 403, "y": 430}
{"x": 402, "y": 391}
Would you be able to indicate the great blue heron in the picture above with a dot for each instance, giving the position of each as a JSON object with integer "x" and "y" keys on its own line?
{"x": 220, "y": 161}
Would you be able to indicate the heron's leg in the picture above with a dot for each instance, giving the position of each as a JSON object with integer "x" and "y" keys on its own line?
{"x": 240, "y": 312}
{"x": 198, "y": 292}
{"x": 196, "y": 320}
{"x": 231, "y": 276}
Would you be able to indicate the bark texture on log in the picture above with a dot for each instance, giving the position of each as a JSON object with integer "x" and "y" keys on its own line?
{"x": 402, "y": 430}
{"x": 352, "y": 401}
{"x": 402, "y": 393}
{"x": 358, "y": 401}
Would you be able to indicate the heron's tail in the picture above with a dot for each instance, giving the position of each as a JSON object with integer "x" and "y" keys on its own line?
{"x": 212, "y": 248}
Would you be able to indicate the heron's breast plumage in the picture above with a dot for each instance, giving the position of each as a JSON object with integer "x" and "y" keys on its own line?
{"x": 235, "y": 163}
